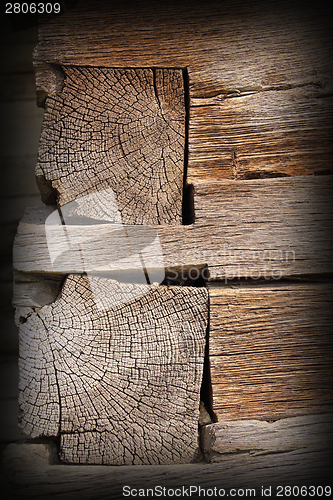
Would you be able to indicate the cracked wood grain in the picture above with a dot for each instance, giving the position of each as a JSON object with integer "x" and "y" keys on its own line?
{"x": 30, "y": 470}
{"x": 260, "y": 133}
{"x": 229, "y": 45}
{"x": 119, "y": 131}
{"x": 118, "y": 386}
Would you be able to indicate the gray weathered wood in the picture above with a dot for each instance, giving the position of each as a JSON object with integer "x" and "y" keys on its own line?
{"x": 118, "y": 385}
{"x": 118, "y": 133}
{"x": 306, "y": 433}
{"x": 31, "y": 472}
{"x": 270, "y": 349}
{"x": 266, "y": 228}
{"x": 252, "y": 69}
{"x": 31, "y": 290}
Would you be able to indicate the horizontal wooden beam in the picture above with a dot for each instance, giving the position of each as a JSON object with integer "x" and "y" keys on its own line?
{"x": 260, "y": 133}
{"x": 307, "y": 433}
{"x": 259, "y": 77}
{"x": 30, "y": 471}
{"x": 270, "y": 350}
{"x": 255, "y": 229}
{"x": 226, "y": 45}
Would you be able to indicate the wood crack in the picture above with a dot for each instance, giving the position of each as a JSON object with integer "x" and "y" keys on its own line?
{"x": 248, "y": 91}
{"x": 156, "y": 92}
{"x": 56, "y": 378}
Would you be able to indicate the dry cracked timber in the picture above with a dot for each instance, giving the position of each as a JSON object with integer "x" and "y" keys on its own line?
{"x": 119, "y": 385}
{"x": 120, "y": 131}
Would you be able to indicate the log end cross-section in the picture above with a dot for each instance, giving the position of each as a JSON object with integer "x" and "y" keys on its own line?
{"x": 121, "y": 130}
{"x": 120, "y": 385}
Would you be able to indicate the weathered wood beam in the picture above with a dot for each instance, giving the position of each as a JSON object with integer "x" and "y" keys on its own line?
{"x": 260, "y": 77}
{"x": 307, "y": 433}
{"x": 266, "y": 228}
{"x": 248, "y": 134}
{"x": 116, "y": 385}
{"x": 31, "y": 472}
{"x": 226, "y": 45}
{"x": 270, "y": 350}
{"x": 36, "y": 290}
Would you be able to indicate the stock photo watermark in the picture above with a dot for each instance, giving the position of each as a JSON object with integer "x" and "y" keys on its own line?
{"x": 229, "y": 264}
{"x": 218, "y": 492}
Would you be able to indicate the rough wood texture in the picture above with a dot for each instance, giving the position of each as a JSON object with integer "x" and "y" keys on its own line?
{"x": 256, "y": 134}
{"x": 29, "y": 473}
{"x": 37, "y": 290}
{"x": 119, "y": 131}
{"x": 307, "y": 433}
{"x": 270, "y": 350}
{"x": 118, "y": 386}
{"x": 250, "y": 44}
{"x": 266, "y": 228}
{"x": 260, "y": 74}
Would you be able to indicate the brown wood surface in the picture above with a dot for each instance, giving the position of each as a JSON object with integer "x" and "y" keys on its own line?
{"x": 309, "y": 433}
{"x": 270, "y": 349}
{"x": 227, "y": 45}
{"x": 260, "y": 133}
{"x": 259, "y": 105}
{"x": 260, "y": 76}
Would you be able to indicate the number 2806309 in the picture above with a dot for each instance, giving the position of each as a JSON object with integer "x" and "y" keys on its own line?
{"x": 32, "y": 8}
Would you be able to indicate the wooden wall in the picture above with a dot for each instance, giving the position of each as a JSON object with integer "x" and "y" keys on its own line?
{"x": 259, "y": 110}
{"x": 259, "y": 159}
